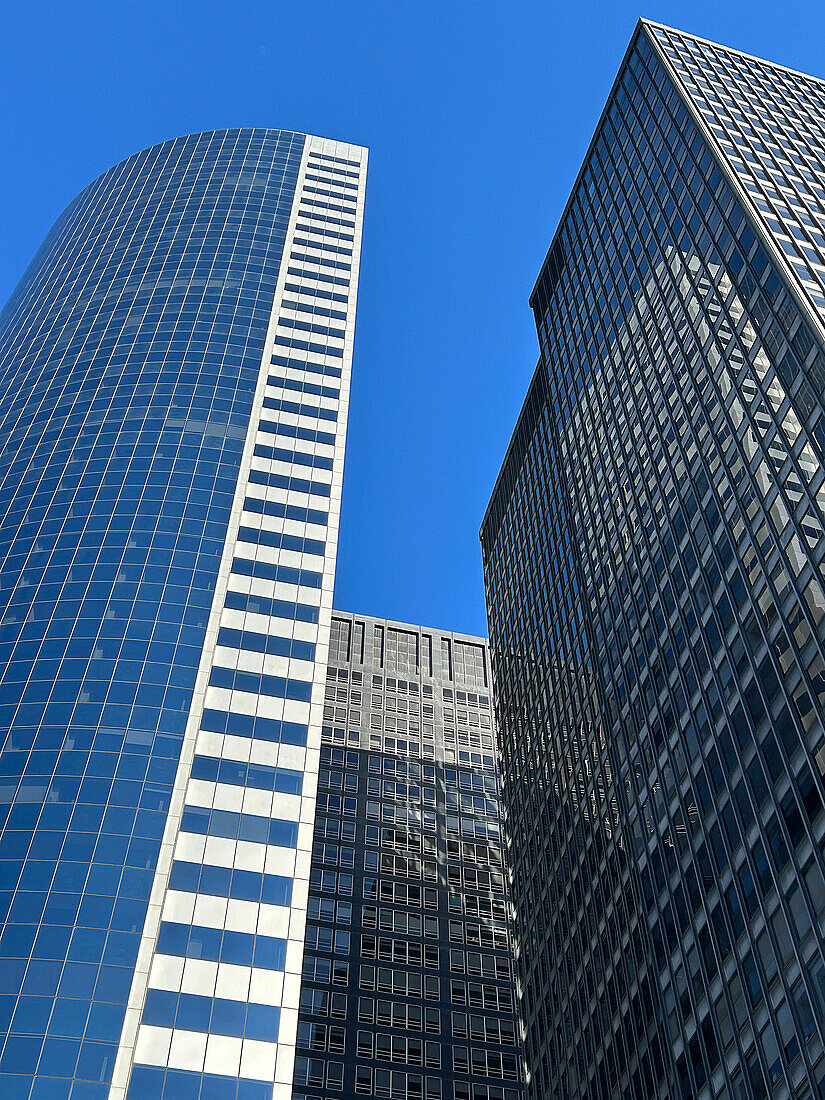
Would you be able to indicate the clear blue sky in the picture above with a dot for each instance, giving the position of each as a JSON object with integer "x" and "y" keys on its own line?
{"x": 477, "y": 116}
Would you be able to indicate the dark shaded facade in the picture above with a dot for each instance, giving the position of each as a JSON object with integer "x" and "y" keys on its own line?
{"x": 407, "y": 987}
{"x": 653, "y": 561}
{"x": 129, "y": 358}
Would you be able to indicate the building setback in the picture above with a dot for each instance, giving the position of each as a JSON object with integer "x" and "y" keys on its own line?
{"x": 653, "y": 560}
{"x": 174, "y": 378}
{"x": 407, "y": 985}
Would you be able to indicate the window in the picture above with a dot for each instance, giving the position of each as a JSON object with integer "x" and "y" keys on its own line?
{"x": 321, "y": 1037}
{"x": 321, "y": 1002}
{"x": 326, "y": 971}
{"x": 396, "y": 1085}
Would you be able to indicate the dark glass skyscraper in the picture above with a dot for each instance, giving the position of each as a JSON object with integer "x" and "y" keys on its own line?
{"x": 408, "y": 984}
{"x": 174, "y": 374}
{"x": 653, "y": 557}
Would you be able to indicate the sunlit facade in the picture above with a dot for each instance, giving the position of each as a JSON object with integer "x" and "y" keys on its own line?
{"x": 174, "y": 377}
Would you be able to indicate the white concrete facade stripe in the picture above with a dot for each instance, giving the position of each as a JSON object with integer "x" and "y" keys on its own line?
{"x": 264, "y": 1061}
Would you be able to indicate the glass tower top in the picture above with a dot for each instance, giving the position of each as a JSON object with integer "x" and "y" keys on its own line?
{"x": 768, "y": 123}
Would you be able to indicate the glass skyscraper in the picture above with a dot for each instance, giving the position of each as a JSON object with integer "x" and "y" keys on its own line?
{"x": 408, "y": 984}
{"x": 174, "y": 375}
{"x": 653, "y": 557}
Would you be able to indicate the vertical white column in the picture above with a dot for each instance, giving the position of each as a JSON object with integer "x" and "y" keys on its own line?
{"x": 291, "y": 474}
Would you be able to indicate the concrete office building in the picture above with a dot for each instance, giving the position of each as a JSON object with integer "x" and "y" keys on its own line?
{"x": 408, "y": 989}
{"x": 653, "y": 553}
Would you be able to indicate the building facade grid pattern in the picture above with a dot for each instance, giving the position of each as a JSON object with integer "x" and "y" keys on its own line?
{"x": 130, "y": 352}
{"x": 771, "y": 134}
{"x": 171, "y": 448}
{"x": 214, "y": 1020}
{"x": 653, "y": 558}
{"x": 407, "y": 984}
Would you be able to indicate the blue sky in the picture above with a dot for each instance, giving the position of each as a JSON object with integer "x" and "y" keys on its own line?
{"x": 477, "y": 116}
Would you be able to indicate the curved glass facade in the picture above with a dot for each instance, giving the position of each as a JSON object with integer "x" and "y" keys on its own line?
{"x": 129, "y": 358}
